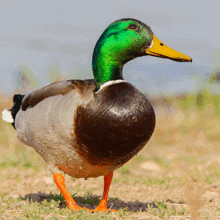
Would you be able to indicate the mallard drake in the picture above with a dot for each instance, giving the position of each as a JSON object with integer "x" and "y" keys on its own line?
{"x": 89, "y": 128}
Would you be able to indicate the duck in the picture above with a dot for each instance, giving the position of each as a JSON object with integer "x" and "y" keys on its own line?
{"x": 90, "y": 128}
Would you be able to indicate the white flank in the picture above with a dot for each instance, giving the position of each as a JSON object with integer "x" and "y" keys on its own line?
{"x": 110, "y": 83}
{"x": 6, "y": 116}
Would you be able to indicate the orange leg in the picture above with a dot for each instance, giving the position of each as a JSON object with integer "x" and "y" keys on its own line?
{"x": 59, "y": 180}
{"x": 102, "y": 207}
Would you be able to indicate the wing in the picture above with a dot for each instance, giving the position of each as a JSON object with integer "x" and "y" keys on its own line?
{"x": 56, "y": 88}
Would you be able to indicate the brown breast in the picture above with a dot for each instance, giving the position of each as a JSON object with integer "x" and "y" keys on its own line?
{"x": 114, "y": 126}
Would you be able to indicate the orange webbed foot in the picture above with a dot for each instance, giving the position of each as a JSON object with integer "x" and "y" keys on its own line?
{"x": 76, "y": 208}
{"x": 70, "y": 202}
{"x": 102, "y": 207}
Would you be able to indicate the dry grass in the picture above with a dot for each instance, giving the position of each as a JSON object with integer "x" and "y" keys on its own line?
{"x": 176, "y": 176}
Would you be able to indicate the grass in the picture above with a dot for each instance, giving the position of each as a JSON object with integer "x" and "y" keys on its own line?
{"x": 176, "y": 176}
{"x": 163, "y": 211}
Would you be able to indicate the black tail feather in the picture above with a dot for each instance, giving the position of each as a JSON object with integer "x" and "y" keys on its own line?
{"x": 17, "y": 101}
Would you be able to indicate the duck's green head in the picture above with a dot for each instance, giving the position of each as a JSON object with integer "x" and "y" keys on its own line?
{"x": 122, "y": 41}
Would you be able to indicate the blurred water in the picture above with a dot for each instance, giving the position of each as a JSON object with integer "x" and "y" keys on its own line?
{"x": 63, "y": 34}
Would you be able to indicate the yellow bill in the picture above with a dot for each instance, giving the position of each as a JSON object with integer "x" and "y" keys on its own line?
{"x": 159, "y": 49}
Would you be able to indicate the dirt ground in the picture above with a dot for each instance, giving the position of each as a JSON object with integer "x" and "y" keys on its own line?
{"x": 176, "y": 176}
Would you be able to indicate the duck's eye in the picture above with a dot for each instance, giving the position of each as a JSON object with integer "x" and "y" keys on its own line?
{"x": 132, "y": 26}
{"x": 161, "y": 44}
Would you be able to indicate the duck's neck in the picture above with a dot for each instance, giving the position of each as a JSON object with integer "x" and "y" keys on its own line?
{"x": 105, "y": 68}
{"x": 108, "y": 60}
